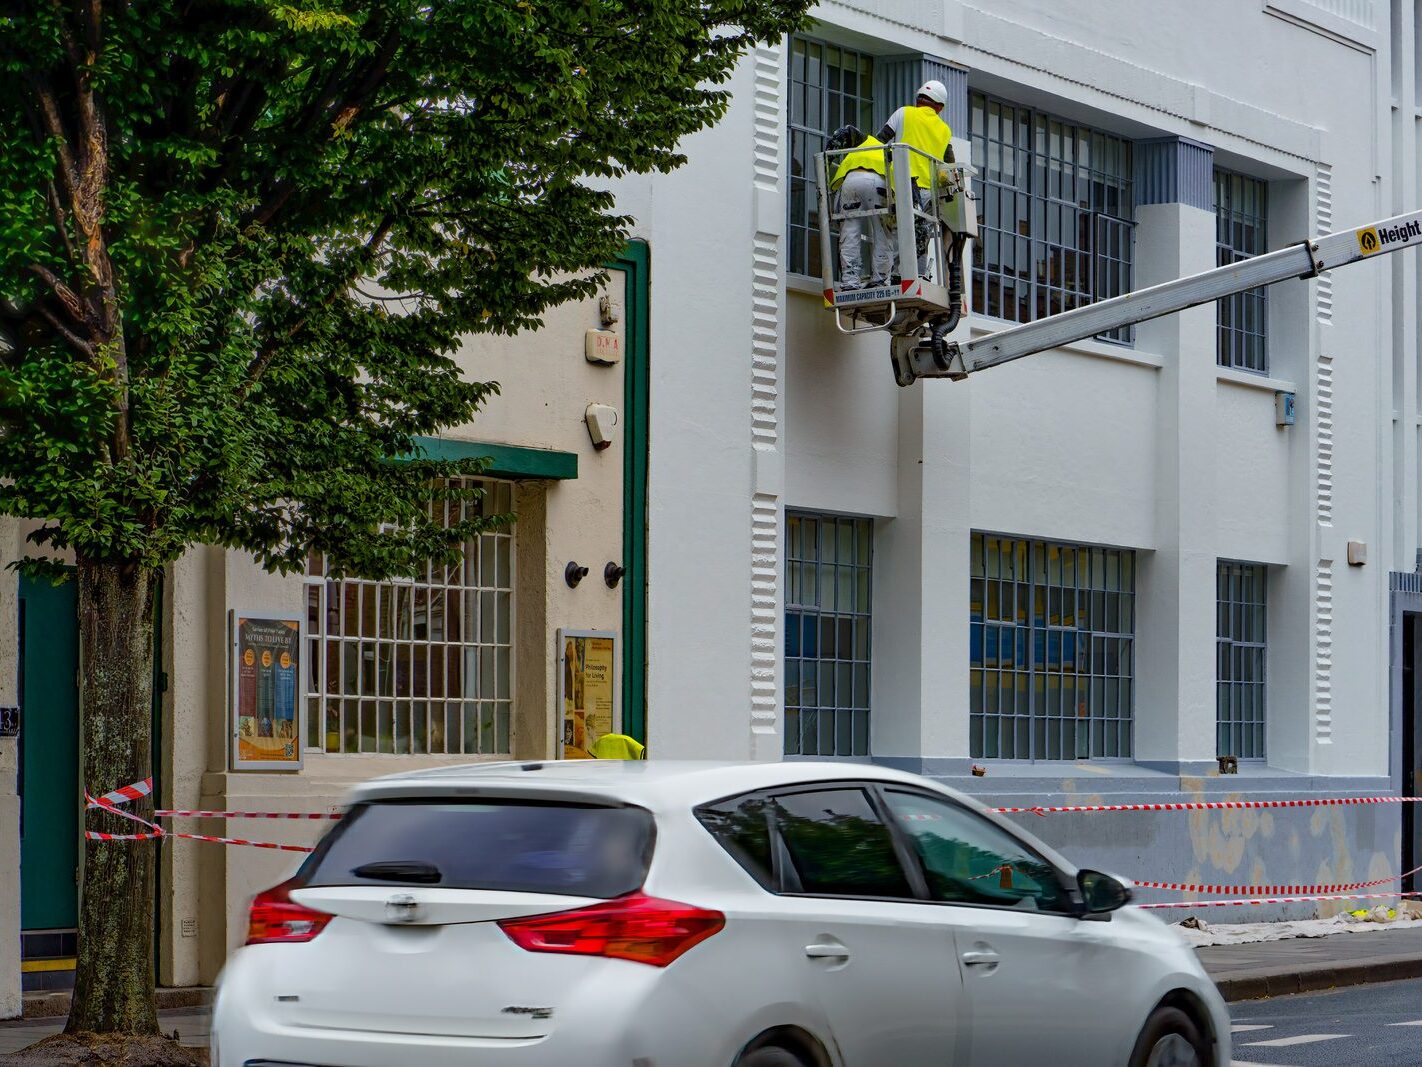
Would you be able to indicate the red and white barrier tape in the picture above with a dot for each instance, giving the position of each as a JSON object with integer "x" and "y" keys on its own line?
{"x": 184, "y": 813}
{"x": 1277, "y": 900}
{"x": 143, "y": 788}
{"x": 104, "y": 803}
{"x": 91, "y": 802}
{"x": 111, "y": 802}
{"x": 239, "y": 841}
{"x": 1209, "y": 805}
{"x": 1348, "y": 887}
{"x": 95, "y": 835}
{"x": 123, "y": 795}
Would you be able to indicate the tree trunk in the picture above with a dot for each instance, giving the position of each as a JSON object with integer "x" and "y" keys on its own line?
{"x": 113, "y": 979}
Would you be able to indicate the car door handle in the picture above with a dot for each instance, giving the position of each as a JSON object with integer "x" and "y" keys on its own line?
{"x": 981, "y": 959}
{"x": 832, "y": 950}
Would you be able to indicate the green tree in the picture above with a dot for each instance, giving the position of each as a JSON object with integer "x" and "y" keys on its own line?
{"x": 239, "y": 240}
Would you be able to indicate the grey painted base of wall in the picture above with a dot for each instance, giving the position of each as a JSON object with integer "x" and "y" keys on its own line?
{"x": 1280, "y": 846}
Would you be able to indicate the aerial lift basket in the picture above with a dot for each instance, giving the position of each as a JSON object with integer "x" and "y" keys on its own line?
{"x": 929, "y": 227}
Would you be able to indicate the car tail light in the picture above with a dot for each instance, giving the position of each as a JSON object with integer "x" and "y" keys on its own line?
{"x": 274, "y": 918}
{"x": 636, "y": 927}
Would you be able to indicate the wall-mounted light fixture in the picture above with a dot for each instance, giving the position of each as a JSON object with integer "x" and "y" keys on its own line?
{"x": 612, "y": 574}
{"x": 573, "y": 574}
{"x": 1284, "y": 409}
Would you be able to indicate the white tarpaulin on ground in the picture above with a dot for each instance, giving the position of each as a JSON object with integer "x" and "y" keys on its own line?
{"x": 1247, "y": 933}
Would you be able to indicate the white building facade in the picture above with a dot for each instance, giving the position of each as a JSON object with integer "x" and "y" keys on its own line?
{"x": 1097, "y": 570}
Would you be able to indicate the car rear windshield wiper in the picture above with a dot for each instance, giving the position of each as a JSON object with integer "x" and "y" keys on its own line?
{"x": 400, "y": 871}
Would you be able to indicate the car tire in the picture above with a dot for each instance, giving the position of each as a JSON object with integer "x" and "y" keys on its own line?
{"x": 1170, "y": 1039}
{"x": 772, "y": 1056}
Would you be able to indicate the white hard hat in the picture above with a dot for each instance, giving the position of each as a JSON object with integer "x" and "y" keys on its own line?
{"x": 935, "y": 91}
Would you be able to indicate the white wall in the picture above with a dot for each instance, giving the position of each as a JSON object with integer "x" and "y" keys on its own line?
{"x": 1153, "y": 450}
{"x": 701, "y": 224}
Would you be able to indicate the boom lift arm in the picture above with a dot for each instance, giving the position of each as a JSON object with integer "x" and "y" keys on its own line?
{"x": 916, "y": 357}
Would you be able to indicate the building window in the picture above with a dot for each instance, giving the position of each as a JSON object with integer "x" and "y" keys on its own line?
{"x": 1241, "y": 212}
{"x": 1241, "y": 599}
{"x": 1057, "y": 214}
{"x": 830, "y": 87}
{"x": 416, "y": 667}
{"x": 829, "y": 560}
{"x": 1052, "y": 646}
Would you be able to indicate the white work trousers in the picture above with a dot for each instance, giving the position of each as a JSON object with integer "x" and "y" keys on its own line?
{"x": 863, "y": 190}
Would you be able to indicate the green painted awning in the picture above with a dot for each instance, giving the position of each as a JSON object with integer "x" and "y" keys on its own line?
{"x": 505, "y": 461}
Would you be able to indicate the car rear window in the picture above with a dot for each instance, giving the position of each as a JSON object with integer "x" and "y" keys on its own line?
{"x": 509, "y": 845}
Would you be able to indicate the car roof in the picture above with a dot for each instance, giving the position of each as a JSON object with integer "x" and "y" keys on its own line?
{"x": 655, "y": 784}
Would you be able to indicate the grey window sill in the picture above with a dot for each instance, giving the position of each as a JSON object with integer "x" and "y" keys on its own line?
{"x": 1253, "y": 380}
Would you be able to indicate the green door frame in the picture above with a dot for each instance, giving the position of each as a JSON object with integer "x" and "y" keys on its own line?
{"x": 635, "y": 263}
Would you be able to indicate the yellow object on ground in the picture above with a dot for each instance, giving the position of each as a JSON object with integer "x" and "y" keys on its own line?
{"x": 617, "y": 746}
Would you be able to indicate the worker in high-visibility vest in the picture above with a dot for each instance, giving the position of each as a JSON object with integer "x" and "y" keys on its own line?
{"x": 859, "y": 184}
{"x": 922, "y": 127}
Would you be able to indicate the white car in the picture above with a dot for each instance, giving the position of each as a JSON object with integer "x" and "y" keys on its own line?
{"x": 665, "y": 914}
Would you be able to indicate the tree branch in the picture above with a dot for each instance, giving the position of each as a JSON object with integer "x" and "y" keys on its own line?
{"x": 54, "y": 125}
{"x": 268, "y": 351}
{"x": 347, "y": 109}
{"x": 66, "y": 39}
{"x": 61, "y": 223}
{"x": 67, "y": 296}
{"x": 75, "y": 341}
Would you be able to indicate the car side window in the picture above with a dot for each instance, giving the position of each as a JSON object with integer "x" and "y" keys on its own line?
{"x": 741, "y": 826}
{"x": 968, "y": 860}
{"x": 839, "y": 846}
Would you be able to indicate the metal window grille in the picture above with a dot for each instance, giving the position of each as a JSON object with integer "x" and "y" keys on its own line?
{"x": 416, "y": 667}
{"x": 1240, "y": 650}
{"x": 1058, "y": 215}
{"x": 1052, "y": 641}
{"x": 829, "y": 561}
{"x": 830, "y": 87}
{"x": 1241, "y": 217}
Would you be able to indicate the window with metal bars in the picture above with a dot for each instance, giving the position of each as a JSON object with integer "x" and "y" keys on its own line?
{"x": 1241, "y": 232}
{"x": 1241, "y": 649}
{"x": 829, "y": 561}
{"x": 416, "y": 667}
{"x": 1058, "y": 215}
{"x": 1052, "y": 647}
{"x": 829, "y": 87}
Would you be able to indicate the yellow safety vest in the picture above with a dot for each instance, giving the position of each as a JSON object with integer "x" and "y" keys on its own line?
{"x": 925, "y": 130}
{"x": 859, "y": 160}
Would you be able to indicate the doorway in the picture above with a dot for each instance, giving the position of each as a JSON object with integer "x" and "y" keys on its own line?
{"x": 49, "y": 782}
{"x": 1411, "y": 722}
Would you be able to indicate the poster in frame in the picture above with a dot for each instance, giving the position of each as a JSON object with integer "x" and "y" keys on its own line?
{"x": 587, "y": 694}
{"x": 266, "y": 697}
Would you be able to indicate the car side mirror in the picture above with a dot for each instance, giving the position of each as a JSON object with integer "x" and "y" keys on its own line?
{"x": 1101, "y": 894}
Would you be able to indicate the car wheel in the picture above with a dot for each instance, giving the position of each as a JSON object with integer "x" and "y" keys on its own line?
{"x": 1170, "y": 1039}
{"x": 769, "y": 1057}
